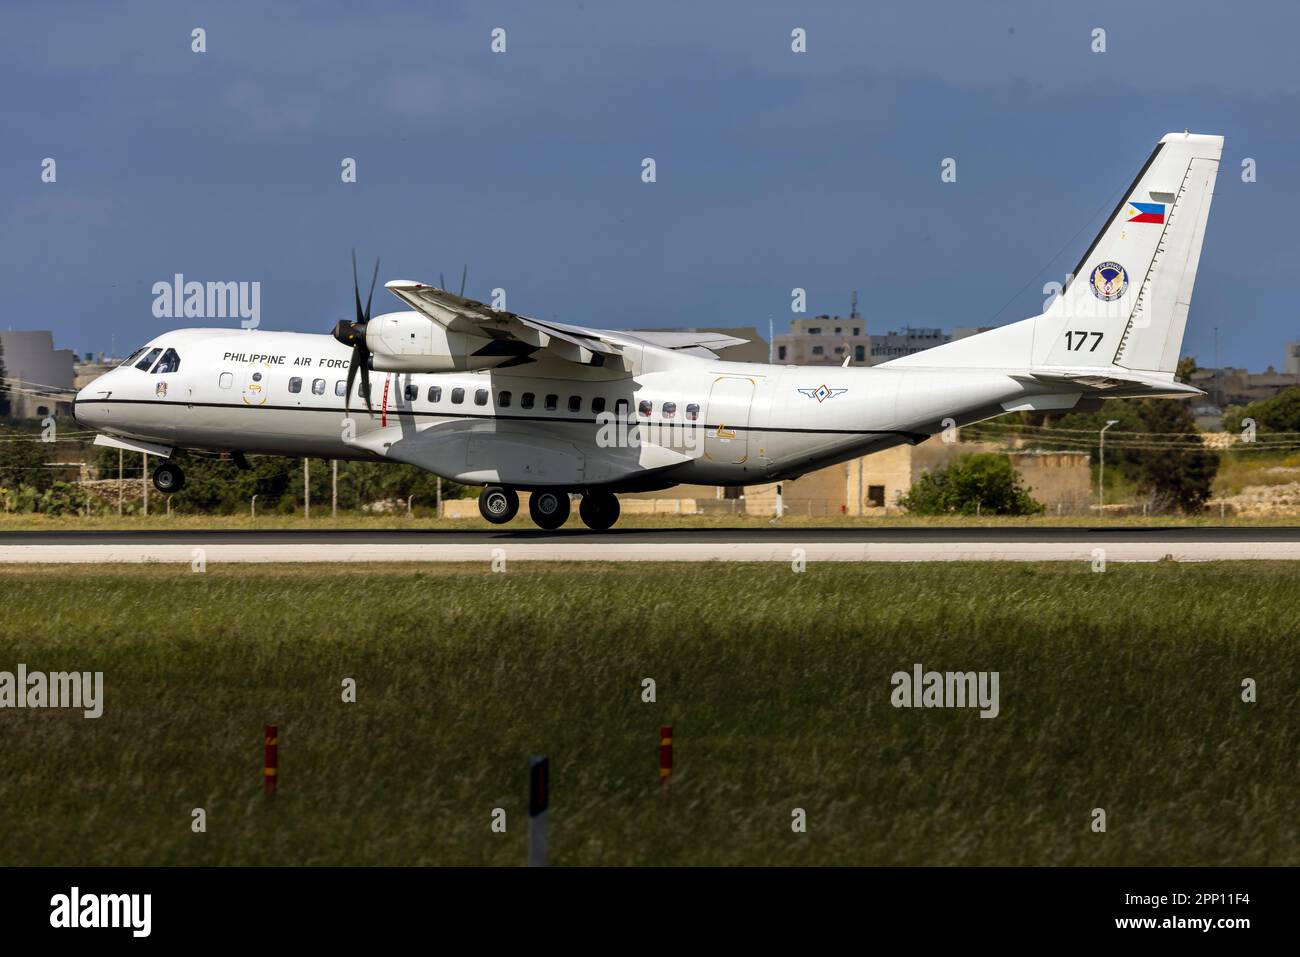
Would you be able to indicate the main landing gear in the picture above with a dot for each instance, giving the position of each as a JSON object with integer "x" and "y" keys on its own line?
{"x": 168, "y": 478}
{"x": 498, "y": 505}
{"x": 548, "y": 508}
{"x": 599, "y": 510}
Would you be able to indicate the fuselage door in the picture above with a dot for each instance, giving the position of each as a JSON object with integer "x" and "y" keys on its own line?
{"x": 726, "y": 436}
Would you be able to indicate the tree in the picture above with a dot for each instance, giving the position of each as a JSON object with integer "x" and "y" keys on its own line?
{"x": 1163, "y": 455}
{"x": 983, "y": 483}
{"x": 23, "y": 460}
{"x": 1181, "y": 472}
{"x": 218, "y": 485}
{"x": 1281, "y": 413}
{"x": 5, "y": 406}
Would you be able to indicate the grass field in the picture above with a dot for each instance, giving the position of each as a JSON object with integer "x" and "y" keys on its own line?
{"x": 1119, "y": 690}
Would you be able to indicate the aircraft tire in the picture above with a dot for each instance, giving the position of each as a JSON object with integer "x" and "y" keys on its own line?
{"x": 498, "y": 504}
{"x": 168, "y": 478}
{"x": 549, "y": 508}
{"x": 599, "y": 510}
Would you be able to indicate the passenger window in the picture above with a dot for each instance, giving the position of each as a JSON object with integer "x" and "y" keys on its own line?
{"x": 226, "y": 380}
{"x": 480, "y": 396}
{"x": 526, "y": 400}
{"x": 645, "y": 407}
{"x": 457, "y": 396}
{"x": 318, "y": 386}
{"x": 295, "y": 384}
{"x": 148, "y": 360}
{"x": 362, "y": 390}
{"x": 575, "y": 403}
{"x": 692, "y": 412}
{"x": 170, "y": 362}
{"x": 552, "y": 402}
{"x": 341, "y": 387}
{"x": 598, "y": 405}
{"x": 435, "y": 393}
{"x": 412, "y": 392}
{"x": 503, "y": 400}
{"x": 669, "y": 410}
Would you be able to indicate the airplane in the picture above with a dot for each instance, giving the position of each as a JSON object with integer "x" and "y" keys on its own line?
{"x": 492, "y": 398}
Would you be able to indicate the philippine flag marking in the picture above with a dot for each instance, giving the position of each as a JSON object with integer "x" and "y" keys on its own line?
{"x": 1146, "y": 212}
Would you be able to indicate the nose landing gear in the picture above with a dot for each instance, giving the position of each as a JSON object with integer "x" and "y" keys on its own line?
{"x": 168, "y": 478}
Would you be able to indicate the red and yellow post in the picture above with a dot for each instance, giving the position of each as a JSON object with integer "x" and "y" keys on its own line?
{"x": 665, "y": 756}
{"x": 271, "y": 761}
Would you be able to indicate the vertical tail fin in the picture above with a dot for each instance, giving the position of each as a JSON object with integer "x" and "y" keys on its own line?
{"x": 1127, "y": 302}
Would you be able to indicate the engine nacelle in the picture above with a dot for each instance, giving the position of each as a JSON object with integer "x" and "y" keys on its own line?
{"x": 411, "y": 342}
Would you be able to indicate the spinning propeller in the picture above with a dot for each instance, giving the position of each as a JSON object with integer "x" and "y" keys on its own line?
{"x": 354, "y": 334}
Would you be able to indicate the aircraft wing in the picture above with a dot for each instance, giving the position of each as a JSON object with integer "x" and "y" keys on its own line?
{"x": 688, "y": 341}
{"x": 575, "y": 343}
{"x": 459, "y": 314}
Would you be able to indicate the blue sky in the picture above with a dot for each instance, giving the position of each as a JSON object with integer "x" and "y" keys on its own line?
{"x": 775, "y": 169}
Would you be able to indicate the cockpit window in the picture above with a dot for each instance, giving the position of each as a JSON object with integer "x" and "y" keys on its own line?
{"x": 148, "y": 360}
{"x": 170, "y": 362}
{"x": 130, "y": 360}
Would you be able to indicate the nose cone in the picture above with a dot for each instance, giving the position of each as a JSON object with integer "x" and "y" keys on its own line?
{"x": 88, "y": 407}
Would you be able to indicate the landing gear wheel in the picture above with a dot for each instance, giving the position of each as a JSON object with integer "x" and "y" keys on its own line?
{"x": 168, "y": 478}
{"x": 549, "y": 509}
{"x": 498, "y": 505}
{"x": 599, "y": 510}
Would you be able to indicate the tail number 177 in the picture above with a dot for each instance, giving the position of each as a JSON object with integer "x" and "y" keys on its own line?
{"x": 1075, "y": 341}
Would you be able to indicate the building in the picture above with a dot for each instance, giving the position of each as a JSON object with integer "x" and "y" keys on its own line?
{"x": 38, "y": 377}
{"x": 1292, "y": 366}
{"x": 911, "y": 340}
{"x": 824, "y": 341}
{"x": 964, "y": 332}
{"x": 1229, "y": 386}
{"x": 91, "y": 366}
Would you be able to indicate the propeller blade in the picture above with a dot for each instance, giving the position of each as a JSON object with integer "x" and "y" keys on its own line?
{"x": 365, "y": 376}
{"x": 352, "y": 378}
{"x": 356, "y": 287}
{"x": 371, "y": 297}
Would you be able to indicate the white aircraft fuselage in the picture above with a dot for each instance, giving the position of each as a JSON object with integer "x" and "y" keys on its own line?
{"x": 707, "y": 421}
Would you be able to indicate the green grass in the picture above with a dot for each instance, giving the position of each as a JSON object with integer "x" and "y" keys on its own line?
{"x": 1118, "y": 690}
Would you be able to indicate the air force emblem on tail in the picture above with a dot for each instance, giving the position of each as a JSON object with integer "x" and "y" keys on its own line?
{"x": 822, "y": 393}
{"x": 1108, "y": 281}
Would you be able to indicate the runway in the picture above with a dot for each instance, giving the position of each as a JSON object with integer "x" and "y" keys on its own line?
{"x": 774, "y": 544}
